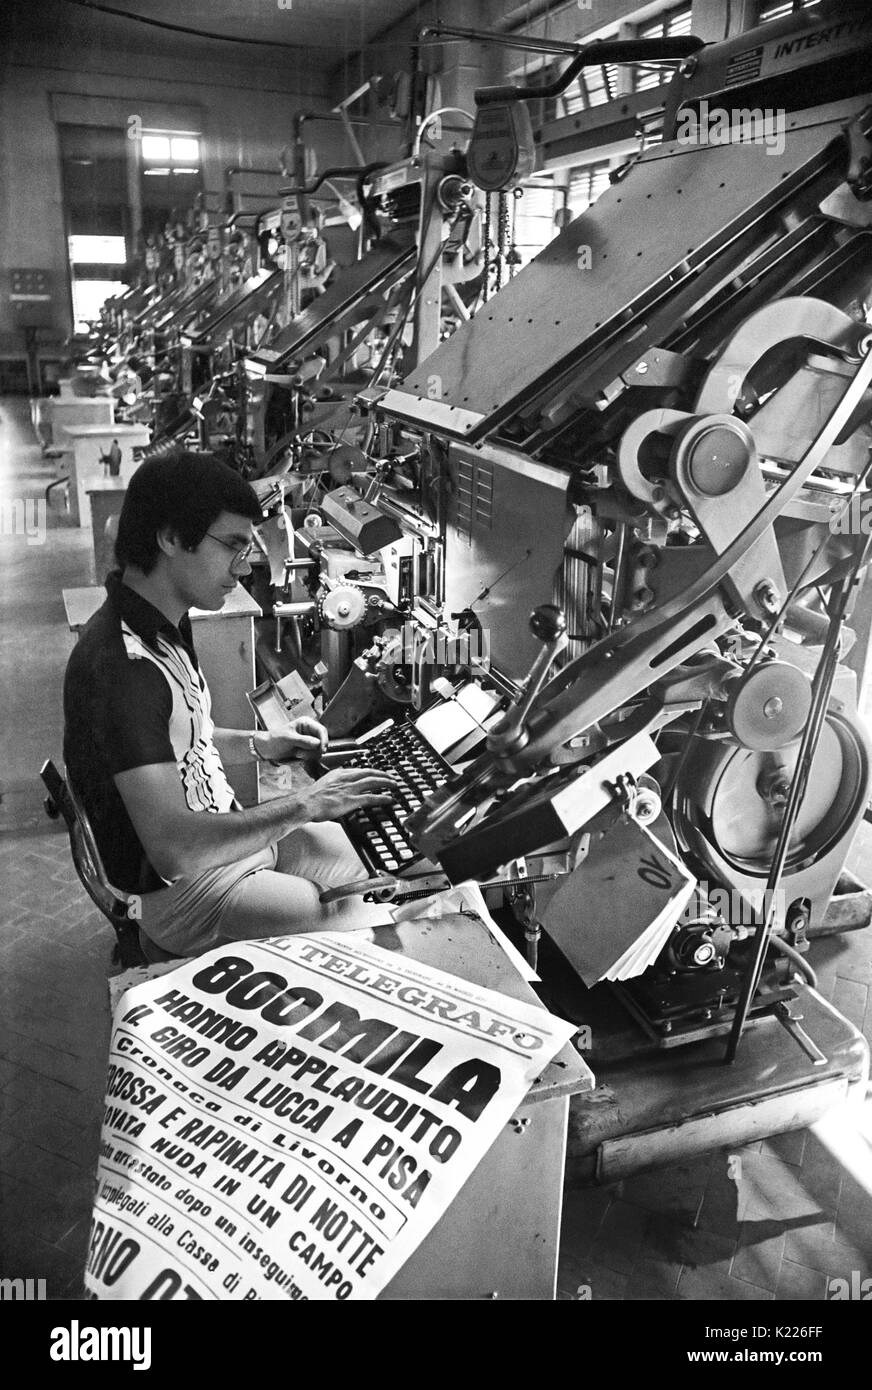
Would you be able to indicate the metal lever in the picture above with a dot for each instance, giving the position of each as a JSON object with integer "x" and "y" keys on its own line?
{"x": 292, "y": 567}
{"x": 340, "y": 171}
{"x": 859, "y": 176}
{"x": 294, "y": 611}
{"x": 378, "y": 890}
{"x": 548, "y": 623}
{"x": 799, "y": 1035}
{"x": 667, "y": 50}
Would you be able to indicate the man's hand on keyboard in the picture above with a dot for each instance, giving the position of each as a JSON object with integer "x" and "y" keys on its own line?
{"x": 347, "y": 789}
{"x": 303, "y": 737}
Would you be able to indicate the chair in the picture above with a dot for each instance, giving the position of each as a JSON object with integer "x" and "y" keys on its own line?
{"x": 64, "y": 482}
{"x": 120, "y": 908}
{"x": 40, "y": 418}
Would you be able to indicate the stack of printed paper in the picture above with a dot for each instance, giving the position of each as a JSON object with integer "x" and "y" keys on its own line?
{"x": 613, "y": 915}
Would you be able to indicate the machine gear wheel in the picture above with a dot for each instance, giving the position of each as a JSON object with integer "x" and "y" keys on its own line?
{"x": 344, "y": 607}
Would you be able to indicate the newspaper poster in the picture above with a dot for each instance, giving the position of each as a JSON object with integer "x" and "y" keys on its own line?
{"x": 289, "y": 1118}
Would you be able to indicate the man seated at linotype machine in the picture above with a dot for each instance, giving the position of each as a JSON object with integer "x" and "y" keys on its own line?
{"x": 143, "y": 753}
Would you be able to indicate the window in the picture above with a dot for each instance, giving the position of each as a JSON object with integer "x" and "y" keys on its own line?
{"x": 778, "y": 9}
{"x": 155, "y": 147}
{"x": 586, "y": 183}
{"x": 170, "y": 166}
{"x": 597, "y": 85}
{"x": 88, "y": 299}
{"x": 97, "y": 250}
{"x": 651, "y": 132}
{"x": 92, "y": 259}
{"x": 533, "y": 221}
{"x": 185, "y": 150}
{"x": 593, "y": 87}
{"x": 165, "y": 154}
{"x": 670, "y": 24}
{"x": 96, "y": 213}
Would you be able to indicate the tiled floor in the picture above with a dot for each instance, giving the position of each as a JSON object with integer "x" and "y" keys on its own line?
{"x": 772, "y": 1221}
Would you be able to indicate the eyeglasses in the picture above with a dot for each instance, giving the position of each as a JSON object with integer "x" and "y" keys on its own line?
{"x": 240, "y": 555}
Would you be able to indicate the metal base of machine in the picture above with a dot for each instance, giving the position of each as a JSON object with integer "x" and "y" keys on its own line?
{"x": 654, "y": 1105}
{"x": 667, "y": 1106}
{"x": 850, "y": 908}
{"x": 678, "y": 1027}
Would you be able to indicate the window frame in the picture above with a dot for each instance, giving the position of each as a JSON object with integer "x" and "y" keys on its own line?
{"x": 170, "y": 163}
{"x": 785, "y": 9}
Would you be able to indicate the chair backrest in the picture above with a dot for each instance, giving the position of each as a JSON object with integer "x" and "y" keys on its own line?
{"x": 112, "y": 902}
{"x": 40, "y": 416}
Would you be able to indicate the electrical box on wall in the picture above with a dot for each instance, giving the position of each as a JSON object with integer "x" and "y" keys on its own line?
{"x": 30, "y": 295}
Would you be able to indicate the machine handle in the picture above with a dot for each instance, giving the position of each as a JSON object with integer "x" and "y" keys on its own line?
{"x": 377, "y": 890}
{"x": 548, "y": 624}
{"x": 338, "y": 752}
{"x": 341, "y": 171}
{"x": 614, "y": 51}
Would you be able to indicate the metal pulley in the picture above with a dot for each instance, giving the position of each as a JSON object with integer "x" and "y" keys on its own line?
{"x": 453, "y": 190}
{"x": 647, "y": 803}
{"x": 730, "y": 802}
{"x": 343, "y": 460}
{"x": 502, "y": 151}
{"x": 344, "y": 607}
{"x": 394, "y": 672}
{"x": 712, "y": 454}
{"x": 767, "y": 708}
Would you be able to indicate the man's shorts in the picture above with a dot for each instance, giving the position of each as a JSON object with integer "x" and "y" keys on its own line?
{"x": 271, "y": 893}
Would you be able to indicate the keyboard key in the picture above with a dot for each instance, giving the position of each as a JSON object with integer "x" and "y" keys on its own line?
{"x": 378, "y": 833}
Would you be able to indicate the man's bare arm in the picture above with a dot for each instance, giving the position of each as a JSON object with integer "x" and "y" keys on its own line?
{"x": 302, "y": 737}
{"x": 180, "y": 842}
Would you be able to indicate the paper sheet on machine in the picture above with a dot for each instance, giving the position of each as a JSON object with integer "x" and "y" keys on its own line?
{"x": 613, "y": 915}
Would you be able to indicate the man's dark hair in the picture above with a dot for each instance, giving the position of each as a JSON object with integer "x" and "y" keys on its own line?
{"x": 183, "y": 491}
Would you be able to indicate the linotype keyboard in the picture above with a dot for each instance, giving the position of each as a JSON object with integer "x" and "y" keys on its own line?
{"x": 378, "y": 832}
